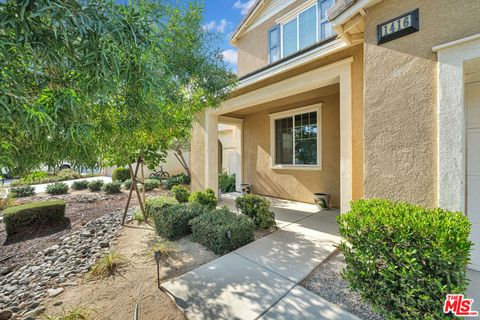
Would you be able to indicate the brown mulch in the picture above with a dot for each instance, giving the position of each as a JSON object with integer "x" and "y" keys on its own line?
{"x": 82, "y": 206}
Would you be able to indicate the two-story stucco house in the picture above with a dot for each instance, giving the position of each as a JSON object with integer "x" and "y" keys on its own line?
{"x": 357, "y": 98}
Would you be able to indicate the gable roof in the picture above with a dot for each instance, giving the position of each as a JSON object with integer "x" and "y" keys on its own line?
{"x": 338, "y": 8}
{"x": 246, "y": 20}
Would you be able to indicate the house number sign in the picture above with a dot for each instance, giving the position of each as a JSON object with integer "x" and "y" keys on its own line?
{"x": 398, "y": 27}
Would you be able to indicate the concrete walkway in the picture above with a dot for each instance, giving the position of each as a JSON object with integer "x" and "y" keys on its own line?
{"x": 260, "y": 280}
{"x": 42, "y": 187}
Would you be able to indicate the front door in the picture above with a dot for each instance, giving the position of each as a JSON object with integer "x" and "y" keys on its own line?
{"x": 473, "y": 166}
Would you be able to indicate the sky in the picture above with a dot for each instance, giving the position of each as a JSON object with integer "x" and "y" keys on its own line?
{"x": 224, "y": 16}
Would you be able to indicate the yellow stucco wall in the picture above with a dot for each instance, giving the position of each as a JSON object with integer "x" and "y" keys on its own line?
{"x": 400, "y": 104}
{"x": 292, "y": 184}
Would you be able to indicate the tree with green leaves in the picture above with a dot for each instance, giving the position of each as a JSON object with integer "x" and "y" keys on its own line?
{"x": 94, "y": 82}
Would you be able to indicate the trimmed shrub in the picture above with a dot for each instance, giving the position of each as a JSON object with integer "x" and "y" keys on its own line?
{"x": 181, "y": 193}
{"x": 121, "y": 174}
{"x": 67, "y": 174}
{"x": 151, "y": 184}
{"x": 57, "y": 188}
{"x": 80, "y": 185}
{"x": 226, "y": 182}
{"x": 173, "y": 222}
{"x": 112, "y": 187}
{"x": 176, "y": 180}
{"x": 257, "y": 208}
{"x": 33, "y": 214}
{"x": 95, "y": 185}
{"x": 403, "y": 259}
{"x": 22, "y": 191}
{"x": 212, "y": 229}
{"x": 155, "y": 205}
{"x": 127, "y": 184}
{"x": 206, "y": 198}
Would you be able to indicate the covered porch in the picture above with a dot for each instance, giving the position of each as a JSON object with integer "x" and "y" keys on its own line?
{"x": 295, "y": 138}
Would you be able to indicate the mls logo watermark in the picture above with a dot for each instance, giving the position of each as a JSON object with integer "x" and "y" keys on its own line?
{"x": 459, "y": 306}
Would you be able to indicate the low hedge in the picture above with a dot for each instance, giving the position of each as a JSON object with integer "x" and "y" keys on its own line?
{"x": 180, "y": 193}
{"x": 176, "y": 180}
{"x": 33, "y": 214}
{"x": 80, "y": 185}
{"x": 173, "y": 222}
{"x": 155, "y": 205}
{"x": 121, "y": 174}
{"x": 22, "y": 191}
{"x": 403, "y": 259}
{"x": 57, "y": 188}
{"x": 95, "y": 185}
{"x": 151, "y": 184}
{"x": 257, "y": 208}
{"x": 226, "y": 182}
{"x": 112, "y": 187}
{"x": 206, "y": 198}
{"x": 212, "y": 228}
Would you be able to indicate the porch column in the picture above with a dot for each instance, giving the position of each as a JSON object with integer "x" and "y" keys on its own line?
{"x": 211, "y": 151}
{"x": 346, "y": 154}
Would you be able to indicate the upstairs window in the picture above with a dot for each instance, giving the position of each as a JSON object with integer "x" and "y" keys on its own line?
{"x": 304, "y": 29}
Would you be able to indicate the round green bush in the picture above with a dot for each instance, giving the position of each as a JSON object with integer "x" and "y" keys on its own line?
{"x": 403, "y": 259}
{"x": 176, "y": 180}
{"x": 95, "y": 185}
{"x": 180, "y": 193}
{"x": 112, "y": 187}
{"x": 80, "y": 185}
{"x": 174, "y": 220}
{"x": 57, "y": 188}
{"x": 257, "y": 208}
{"x": 226, "y": 182}
{"x": 151, "y": 184}
{"x": 206, "y": 198}
{"x": 22, "y": 191}
{"x": 127, "y": 184}
{"x": 121, "y": 174}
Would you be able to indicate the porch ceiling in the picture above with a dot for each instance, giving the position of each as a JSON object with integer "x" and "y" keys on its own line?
{"x": 298, "y": 100}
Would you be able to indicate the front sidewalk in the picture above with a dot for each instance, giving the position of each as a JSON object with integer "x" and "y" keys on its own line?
{"x": 260, "y": 280}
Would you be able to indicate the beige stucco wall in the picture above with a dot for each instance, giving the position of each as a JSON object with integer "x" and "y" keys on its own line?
{"x": 292, "y": 184}
{"x": 253, "y": 45}
{"x": 400, "y": 97}
{"x": 197, "y": 153}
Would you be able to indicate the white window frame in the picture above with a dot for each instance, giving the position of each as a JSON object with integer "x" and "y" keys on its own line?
{"x": 296, "y": 16}
{"x": 291, "y": 114}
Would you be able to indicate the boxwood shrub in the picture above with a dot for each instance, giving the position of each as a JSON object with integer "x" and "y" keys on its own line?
{"x": 95, "y": 185}
{"x": 112, "y": 187}
{"x": 212, "y": 228}
{"x": 57, "y": 188}
{"x": 403, "y": 259}
{"x": 173, "y": 222}
{"x": 80, "y": 185}
{"x": 206, "y": 198}
{"x": 155, "y": 205}
{"x": 176, "y": 180}
{"x": 22, "y": 191}
{"x": 151, "y": 184}
{"x": 257, "y": 208}
{"x": 33, "y": 214}
{"x": 181, "y": 193}
{"x": 121, "y": 174}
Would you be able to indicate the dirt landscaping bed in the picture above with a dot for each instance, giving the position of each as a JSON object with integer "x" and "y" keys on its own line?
{"x": 115, "y": 298}
{"x": 82, "y": 207}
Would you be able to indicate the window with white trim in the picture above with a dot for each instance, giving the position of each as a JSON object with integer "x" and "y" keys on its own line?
{"x": 296, "y": 138}
{"x": 304, "y": 29}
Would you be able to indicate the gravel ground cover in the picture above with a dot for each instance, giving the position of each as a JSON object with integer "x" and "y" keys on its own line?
{"x": 327, "y": 282}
